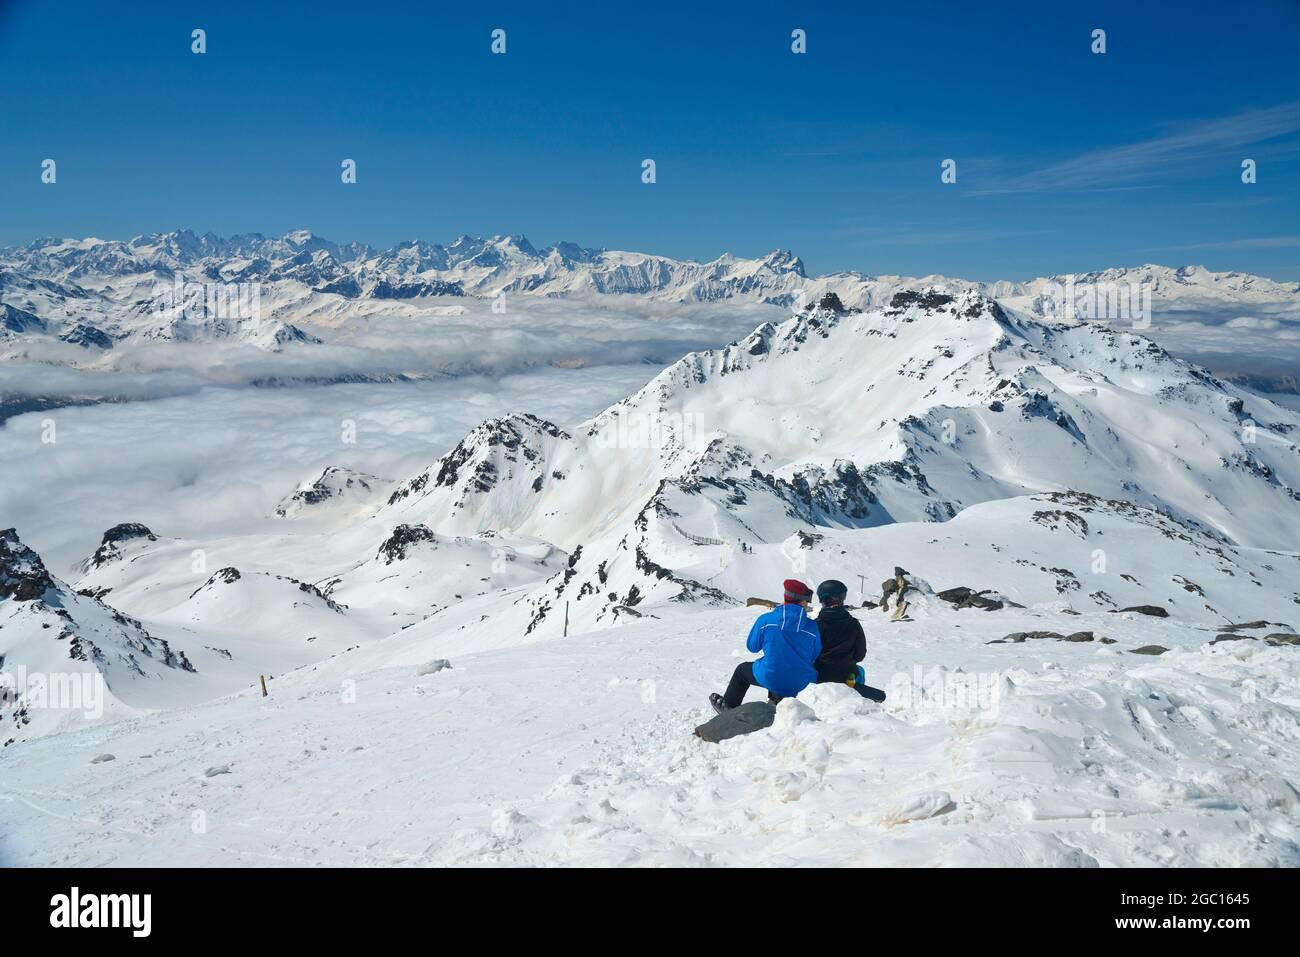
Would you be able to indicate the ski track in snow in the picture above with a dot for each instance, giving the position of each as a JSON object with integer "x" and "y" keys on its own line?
{"x": 581, "y": 752}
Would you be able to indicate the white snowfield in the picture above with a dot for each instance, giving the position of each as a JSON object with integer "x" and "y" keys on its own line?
{"x": 581, "y": 752}
{"x": 502, "y": 657}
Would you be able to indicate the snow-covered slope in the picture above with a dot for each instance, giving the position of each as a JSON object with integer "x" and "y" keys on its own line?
{"x": 1070, "y": 463}
{"x": 838, "y": 420}
{"x": 416, "y": 573}
{"x": 581, "y": 752}
{"x": 67, "y": 658}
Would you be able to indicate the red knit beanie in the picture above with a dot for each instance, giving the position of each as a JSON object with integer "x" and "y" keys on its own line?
{"x": 796, "y": 591}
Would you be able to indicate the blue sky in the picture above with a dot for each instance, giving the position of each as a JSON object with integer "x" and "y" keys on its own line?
{"x": 1066, "y": 160}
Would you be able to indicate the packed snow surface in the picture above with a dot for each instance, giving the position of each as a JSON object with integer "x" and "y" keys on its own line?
{"x": 1044, "y": 752}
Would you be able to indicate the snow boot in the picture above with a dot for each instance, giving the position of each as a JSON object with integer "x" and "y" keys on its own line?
{"x": 719, "y": 705}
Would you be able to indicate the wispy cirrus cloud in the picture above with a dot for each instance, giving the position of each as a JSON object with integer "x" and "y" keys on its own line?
{"x": 1254, "y": 242}
{"x": 1134, "y": 164}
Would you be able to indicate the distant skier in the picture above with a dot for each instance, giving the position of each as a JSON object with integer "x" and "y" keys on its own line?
{"x": 790, "y": 643}
{"x": 843, "y": 642}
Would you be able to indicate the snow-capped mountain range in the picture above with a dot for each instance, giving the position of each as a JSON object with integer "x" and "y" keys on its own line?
{"x": 94, "y": 294}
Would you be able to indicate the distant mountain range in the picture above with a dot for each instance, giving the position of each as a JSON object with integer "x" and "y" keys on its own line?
{"x": 95, "y": 293}
{"x": 479, "y": 267}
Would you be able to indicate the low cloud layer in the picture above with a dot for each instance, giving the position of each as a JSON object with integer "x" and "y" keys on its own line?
{"x": 216, "y": 462}
{"x": 420, "y": 343}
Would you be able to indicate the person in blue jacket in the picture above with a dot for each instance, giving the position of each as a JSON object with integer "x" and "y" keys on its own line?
{"x": 790, "y": 643}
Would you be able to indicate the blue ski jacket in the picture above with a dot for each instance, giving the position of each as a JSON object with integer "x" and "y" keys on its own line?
{"x": 790, "y": 643}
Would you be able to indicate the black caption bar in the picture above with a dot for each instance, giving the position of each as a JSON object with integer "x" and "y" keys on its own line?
{"x": 216, "y": 906}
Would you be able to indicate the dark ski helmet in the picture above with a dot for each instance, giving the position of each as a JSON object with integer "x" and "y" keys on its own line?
{"x": 832, "y": 590}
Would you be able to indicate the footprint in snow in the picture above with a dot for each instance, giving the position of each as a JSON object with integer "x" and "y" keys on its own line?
{"x": 219, "y": 769}
{"x": 101, "y": 758}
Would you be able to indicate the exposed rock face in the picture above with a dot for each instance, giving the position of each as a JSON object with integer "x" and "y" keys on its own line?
{"x": 110, "y": 546}
{"x": 223, "y": 576}
{"x": 23, "y": 576}
{"x": 1055, "y": 518}
{"x": 19, "y": 320}
{"x": 1149, "y": 650}
{"x": 928, "y": 300}
{"x": 831, "y": 303}
{"x": 335, "y": 484}
{"x": 413, "y": 290}
{"x": 404, "y": 536}
{"x": 87, "y": 336}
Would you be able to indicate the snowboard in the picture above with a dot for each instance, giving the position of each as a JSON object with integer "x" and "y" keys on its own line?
{"x": 870, "y": 693}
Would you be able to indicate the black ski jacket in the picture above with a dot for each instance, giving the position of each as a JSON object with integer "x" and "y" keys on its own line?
{"x": 843, "y": 644}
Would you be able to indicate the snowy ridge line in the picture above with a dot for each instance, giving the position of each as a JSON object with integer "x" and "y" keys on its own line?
{"x": 697, "y": 539}
{"x": 975, "y": 405}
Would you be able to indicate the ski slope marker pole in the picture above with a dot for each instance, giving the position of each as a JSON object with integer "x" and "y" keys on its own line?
{"x": 262, "y": 678}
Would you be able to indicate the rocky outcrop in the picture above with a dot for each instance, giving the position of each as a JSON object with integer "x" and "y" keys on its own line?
{"x": 23, "y": 576}
{"x": 110, "y": 546}
{"x": 394, "y": 548}
{"x": 334, "y": 485}
{"x": 1019, "y": 637}
{"x": 896, "y": 591}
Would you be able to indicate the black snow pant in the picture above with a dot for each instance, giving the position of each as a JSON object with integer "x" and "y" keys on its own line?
{"x": 742, "y": 679}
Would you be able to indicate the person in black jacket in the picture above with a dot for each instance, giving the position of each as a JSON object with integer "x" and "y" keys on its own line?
{"x": 843, "y": 643}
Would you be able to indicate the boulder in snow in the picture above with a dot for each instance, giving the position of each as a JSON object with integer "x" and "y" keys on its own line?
{"x": 743, "y": 720}
{"x": 1155, "y": 611}
{"x": 1017, "y": 637}
{"x": 963, "y": 597}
